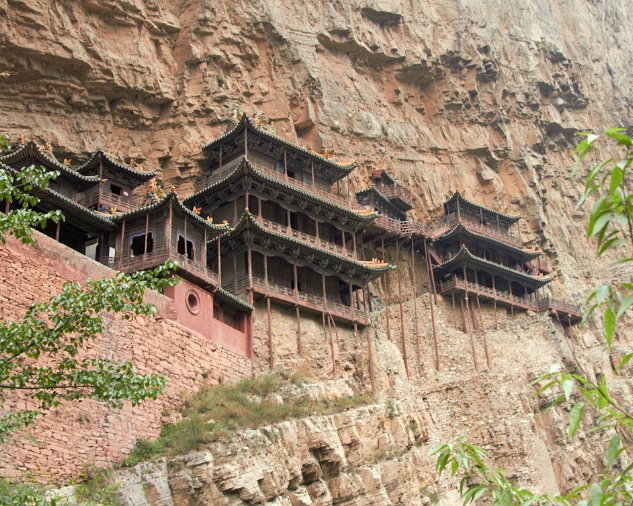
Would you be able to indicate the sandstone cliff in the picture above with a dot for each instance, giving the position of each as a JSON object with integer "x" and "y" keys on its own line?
{"x": 484, "y": 97}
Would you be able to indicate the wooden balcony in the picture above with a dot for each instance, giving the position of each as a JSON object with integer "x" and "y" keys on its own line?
{"x": 314, "y": 303}
{"x": 403, "y": 198}
{"x": 456, "y": 284}
{"x": 328, "y": 195}
{"x": 406, "y": 228}
{"x": 448, "y": 222}
{"x": 305, "y": 237}
{"x": 566, "y": 312}
{"x": 191, "y": 269}
{"x": 95, "y": 195}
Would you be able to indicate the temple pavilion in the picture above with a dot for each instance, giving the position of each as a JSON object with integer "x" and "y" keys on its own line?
{"x": 293, "y": 240}
{"x": 477, "y": 257}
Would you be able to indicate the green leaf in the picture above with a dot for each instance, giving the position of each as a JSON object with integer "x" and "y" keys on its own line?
{"x": 612, "y": 450}
{"x": 609, "y": 325}
{"x": 595, "y": 494}
{"x": 625, "y": 360}
{"x": 568, "y": 387}
{"x": 575, "y": 417}
{"x": 624, "y": 305}
{"x": 454, "y": 468}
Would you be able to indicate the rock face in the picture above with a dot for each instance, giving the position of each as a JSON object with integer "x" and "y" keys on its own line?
{"x": 484, "y": 97}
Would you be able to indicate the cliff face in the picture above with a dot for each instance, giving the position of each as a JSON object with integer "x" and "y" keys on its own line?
{"x": 483, "y": 97}
{"x": 479, "y": 96}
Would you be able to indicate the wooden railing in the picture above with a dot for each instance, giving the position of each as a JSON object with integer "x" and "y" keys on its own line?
{"x": 305, "y": 237}
{"x": 448, "y": 222}
{"x": 395, "y": 191}
{"x": 539, "y": 306}
{"x": 328, "y": 195}
{"x": 501, "y": 295}
{"x": 404, "y": 228}
{"x": 91, "y": 197}
{"x": 128, "y": 263}
{"x": 304, "y": 299}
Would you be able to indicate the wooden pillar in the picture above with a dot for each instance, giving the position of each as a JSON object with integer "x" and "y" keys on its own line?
{"x": 271, "y": 355}
{"x": 454, "y": 311}
{"x": 415, "y": 311}
{"x": 458, "y": 213}
{"x": 235, "y": 211}
{"x": 498, "y": 227}
{"x": 285, "y": 164}
{"x": 384, "y": 288}
{"x": 185, "y": 233}
{"x": 299, "y": 343}
{"x": 464, "y": 321}
{"x": 370, "y": 351}
{"x": 246, "y": 140}
{"x": 316, "y": 230}
{"x": 354, "y": 245}
{"x": 219, "y": 261}
{"x": 100, "y": 183}
{"x": 146, "y": 233}
{"x": 481, "y": 216}
{"x": 343, "y": 239}
{"x": 251, "y": 343}
{"x": 57, "y": 231}
{"x": 427, "y": 258}
{"x": 362, "y": 245}
{"x": 259, "y": 207}
{"x": 405, "y": 354}
{"x": 351, "y": 301}
{"x": 203, "y": 250}
{"x": 288, "y": 220}
{"x": 312, "y": 170}
{"x": 470, "y": 334}
{"x": 481, "y": 321}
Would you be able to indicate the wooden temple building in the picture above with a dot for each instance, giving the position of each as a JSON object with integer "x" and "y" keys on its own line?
{"x": 294, "y": 238}
{"x": 477, "y": 257}
{"x": 267, "y": 225}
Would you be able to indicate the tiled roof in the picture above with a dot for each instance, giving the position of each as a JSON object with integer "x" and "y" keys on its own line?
{"x": 385, "y": 200}
{"x": 464, "y": 254}
{"x": 458, "y": 195}
{"x": 215, "y": 228}
{"x": 245, "y": 167}
{"x": 246, "y": 122}
{"x": 249, "y": 221}
{"x": 463, "y": 228}
{"x": 128, "y": 170}
{"x": 35, "y": 155}
{"x": 232, "y": 299}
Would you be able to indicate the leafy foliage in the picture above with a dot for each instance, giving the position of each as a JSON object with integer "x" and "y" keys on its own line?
{"x": 21, "y": 494}
{"x": 16, "y": 188}
{"x": 611, "y": 225}
{"x": 40, "y": 353}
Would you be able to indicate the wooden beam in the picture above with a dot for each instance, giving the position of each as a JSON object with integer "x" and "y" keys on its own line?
{"x": 415, "y": 312}
{"x": 405, "y": 354}
{"x": 385, "y": 289}
{"x": 370, "y": 351}
{"x": 429, "y": 268}
{"x": 299, "y": 343}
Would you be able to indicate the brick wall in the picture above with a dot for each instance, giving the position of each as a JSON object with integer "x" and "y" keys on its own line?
{"x": 62, "y": 442}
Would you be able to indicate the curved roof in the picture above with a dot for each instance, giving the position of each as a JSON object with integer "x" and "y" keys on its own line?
{"x": 458, "y": 195}
{"x": 464, "y": 256}
{"x": 249, "y": 222}
{"x": 246, "y": 167}
{"x": 33, "y": 154}
{"x": 101, "y": 156}
{"x": 233, "y": 300}
{"x": 385, "y": 200}
{"x": 246, "y": 122}
{"x": 463, "y": 228}
{"x": 139, "y": 211}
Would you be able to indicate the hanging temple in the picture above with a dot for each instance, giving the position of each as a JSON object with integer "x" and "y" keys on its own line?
{"x": 268, "y": 223}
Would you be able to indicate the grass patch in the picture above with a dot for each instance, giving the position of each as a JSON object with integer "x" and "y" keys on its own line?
{"x": 217, "y": 411}
{"x": 97, "y": 487}
{"x": 14, "y": 493}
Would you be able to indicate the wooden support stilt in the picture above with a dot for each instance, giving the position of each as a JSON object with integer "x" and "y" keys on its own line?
{"x": 299, "y": 343}
{"x": 486, "y": 350}
{"x": 418, "y": 353}
{"x": 271, "y": 355}
{"x": 464, "y": 321}
{"x": 405, "y": 354}
{"x": 335, "y": 344}
{"x": 251, "y": 343}
{"x": 455, "y": 312}
{"x": 494, "y": 300}
{"x": 429, "y": 268}
{"x": 370, "y": 351}
{"x": 384, "y": 288}
{"x": 57, "y": 231}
